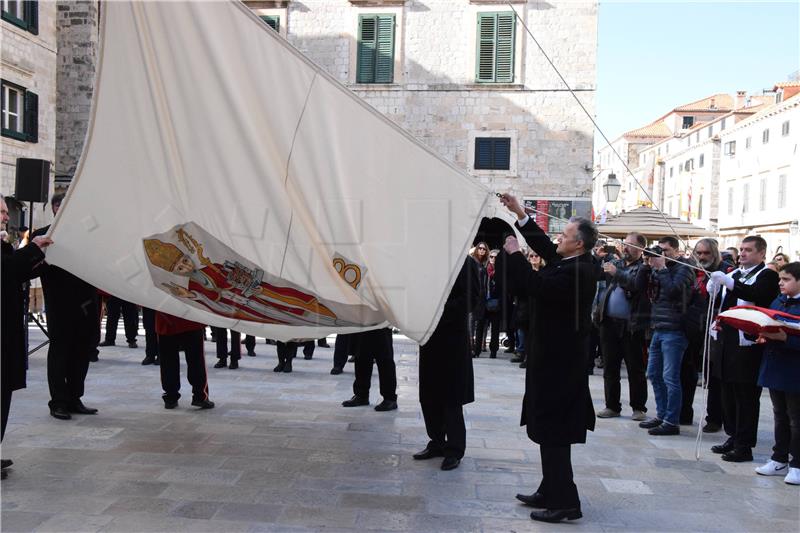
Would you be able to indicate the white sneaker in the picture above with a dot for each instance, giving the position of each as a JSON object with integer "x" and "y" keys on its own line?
{"x": 773, "y": 468}
{"x": 793, "y": 477}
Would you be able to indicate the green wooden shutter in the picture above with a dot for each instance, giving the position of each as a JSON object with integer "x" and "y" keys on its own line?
{"x": 384, "y": 64}
{"x": 31, "y": 117}
{"x": 31, "y": 14}
{"x": 504, "y": 65}
{"x": 375, "y": 61}
{"x": 274, "y": 21}
{"x": 494, "y": 57}
{"x": 487, "y": 30}
{"x": 367, "y": 43}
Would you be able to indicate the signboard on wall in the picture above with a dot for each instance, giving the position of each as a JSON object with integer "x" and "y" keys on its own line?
{"x": 552, "y": 214}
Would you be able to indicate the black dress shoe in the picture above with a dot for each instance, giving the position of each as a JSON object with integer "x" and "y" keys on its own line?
{"x": 132, "y": 344}
{"x": 650, "y": 423}
{"x": 156, "y": 361}
{"x": 557, "y": 515}
{"x": 107, "y": 343}
{"x": 222, "y": 363}
{"x": 355, "y": 401}
{"x": 428, "y": 453}
{"x": 234, "y": 364}
{"x": 203, "y": 404}
{"x": 725, "y": 447}
{"x": 738, "y": 455}
{"x": 79, "y": 409}
{"x": 287, "y": 366}
{"x": 60, "y": 413}
{"x": 351, "y": 359}
{"x": 386, "y": 405}
{"x": 517, "y": 359}
{"x": 251, "y": 353}
{"x": 711, "y": 427}
{"x": 665, "y": 429}
{"x": 335, "y": 371}
{"x": 278, "y": 368}
{"x": 148, "y": 361}
{"x": 523, "y": 364}
{"x": 535, "y": 500}
{"x": 170, "y": 404}
{"x": 5, "y": 463}
{"x": 450, "y": 463}
{"x": 323, "y": 343}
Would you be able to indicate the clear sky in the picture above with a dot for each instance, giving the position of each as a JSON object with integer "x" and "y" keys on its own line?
{"x": 653, "y": 56}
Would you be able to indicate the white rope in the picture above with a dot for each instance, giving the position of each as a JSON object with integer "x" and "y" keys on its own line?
{"x": 703, "y": 367}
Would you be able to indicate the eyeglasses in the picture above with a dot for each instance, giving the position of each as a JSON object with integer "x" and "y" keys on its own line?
{"x": 492, "y": 256}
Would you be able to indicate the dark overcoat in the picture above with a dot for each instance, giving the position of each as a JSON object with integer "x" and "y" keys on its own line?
{"x": 17, "y": 267}
{"x": 557, "y": 408}
{"x": 445, "y": 361}
{"x": 72, "y": 305}
{"x": 731, "y": 362}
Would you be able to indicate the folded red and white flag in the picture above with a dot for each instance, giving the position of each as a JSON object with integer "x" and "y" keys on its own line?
{"x": 757, "y": 320}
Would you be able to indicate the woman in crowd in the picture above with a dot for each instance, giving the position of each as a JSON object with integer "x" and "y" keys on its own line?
{"x": 480, "y": 253}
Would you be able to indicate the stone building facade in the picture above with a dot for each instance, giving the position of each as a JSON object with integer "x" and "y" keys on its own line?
{"x": 544, "y": 139}
{"x": 29, "y": 97}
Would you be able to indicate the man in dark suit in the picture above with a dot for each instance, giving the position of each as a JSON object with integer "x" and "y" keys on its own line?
{"x": 72, "y": 322}
{"x": 16, "y": 267}
{"x": 446, "y": 381}
{"x": 130, "y": 319}
{"x": 557, "y": 408}
{"x": 736, "y": 359}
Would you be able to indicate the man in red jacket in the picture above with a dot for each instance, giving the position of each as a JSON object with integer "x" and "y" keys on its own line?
{"x": 176, "y": 334}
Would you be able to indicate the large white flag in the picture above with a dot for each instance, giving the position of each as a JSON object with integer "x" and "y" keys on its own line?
{"x": 228, "y": 180}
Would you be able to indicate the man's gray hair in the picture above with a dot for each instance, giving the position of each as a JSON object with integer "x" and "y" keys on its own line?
{"x": 713, "y": 247}
{"x": 587, "y": 232}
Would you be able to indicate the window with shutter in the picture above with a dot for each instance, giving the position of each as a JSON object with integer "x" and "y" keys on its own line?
{"x": 494, "y": 58}
{"x": 375, "y": 61}
{"x": 22, "y": 13}
{"x": 13, "y": 111}
{"x": 492, "y": 153}
{"x": 274, "y": 21}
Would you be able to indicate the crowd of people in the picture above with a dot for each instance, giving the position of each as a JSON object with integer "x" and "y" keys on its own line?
{"x": 561, "y": 304}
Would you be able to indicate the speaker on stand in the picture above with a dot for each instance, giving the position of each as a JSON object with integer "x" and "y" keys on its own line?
{"x": 32, "y": 185}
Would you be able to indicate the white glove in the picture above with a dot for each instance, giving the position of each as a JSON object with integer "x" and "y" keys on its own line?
{"x": 721, "y": 279}
{"x": 712, "y": 286}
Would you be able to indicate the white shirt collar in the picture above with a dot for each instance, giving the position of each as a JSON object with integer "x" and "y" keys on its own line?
{"x": 746, "y": 271}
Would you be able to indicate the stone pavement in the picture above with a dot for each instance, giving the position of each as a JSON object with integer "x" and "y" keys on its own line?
{"x": 280, "y": 454}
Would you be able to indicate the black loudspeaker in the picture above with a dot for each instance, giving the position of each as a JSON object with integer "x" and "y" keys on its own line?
{"x": 33, "y": 180}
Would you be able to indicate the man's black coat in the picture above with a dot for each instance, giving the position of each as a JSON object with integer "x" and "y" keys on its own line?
{"x": 731, "y": 362}
{"x": 445, "y": 361}
{"x": 17, "y": 268}
{"x": 557, "y": 408}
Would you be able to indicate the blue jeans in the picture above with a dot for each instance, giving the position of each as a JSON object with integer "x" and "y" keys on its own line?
{"x": 664, "y": 372}
{"x": 520, "y": 341}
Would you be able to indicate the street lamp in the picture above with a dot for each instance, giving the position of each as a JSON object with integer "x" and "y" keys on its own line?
{"x": 612, "y": 188}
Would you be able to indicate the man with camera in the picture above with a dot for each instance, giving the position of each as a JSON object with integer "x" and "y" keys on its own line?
{"x": 623, "y": 315}
{"x": 670, "y": 291}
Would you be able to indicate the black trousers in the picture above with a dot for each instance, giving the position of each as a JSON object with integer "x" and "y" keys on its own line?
{"x": 786, "y": 408}
{"x": 489, "y": 320}
{"x": 249, "y": 343}
{"x": 691, "y": 364}
{"x": 342, "y": 349}
{"x": 222, "y": 344}
{"x": 620, "y": 344}
{"x": 375, "y": 347}
{"x": 130, "y": 318}
{"x": 150, "y": 336}
{"x": 740, "y": 405}
{"x": 191, "y": 343}
{"x": 714, "y": 400}
{"x": 286, "y": 351}
{"x": 308, "y": 349}
{"x": 5, "y": 408}
{"x": 446, "y": 429}
{"x": 67, "y": 366}
{"x": 557, "y": 486}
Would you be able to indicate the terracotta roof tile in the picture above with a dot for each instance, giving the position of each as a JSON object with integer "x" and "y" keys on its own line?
{"x": 654, "y": 129}
{"x": 785, "y": 84}
{"x": 715, "y": 102}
